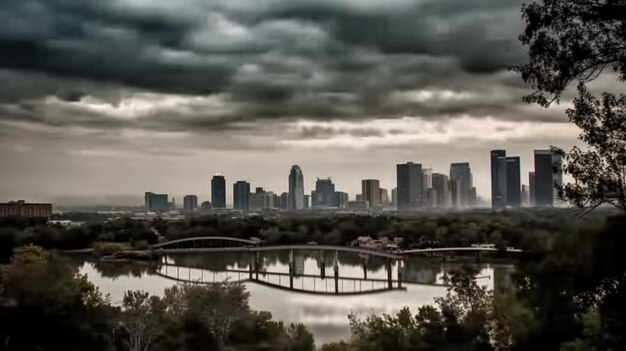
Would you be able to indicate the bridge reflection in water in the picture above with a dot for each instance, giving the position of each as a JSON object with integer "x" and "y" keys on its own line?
{"x": 323, "y": 282}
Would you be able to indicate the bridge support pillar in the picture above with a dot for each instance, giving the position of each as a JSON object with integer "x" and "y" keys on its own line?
{"x": 399, "y": 263}
{"x": 336, "y": 267}
{"x": 257, "y": 263}
{"x": 291, "y": 269}
{"x": 322, "y": 264}
{"x": 389, "y": 280}
{"x": 251, "y": 264}
{"x": 477, "y": 256}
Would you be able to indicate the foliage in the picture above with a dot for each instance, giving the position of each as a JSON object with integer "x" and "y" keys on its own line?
{"x": 575, "y": 40}
{"x": 101, "y": 249}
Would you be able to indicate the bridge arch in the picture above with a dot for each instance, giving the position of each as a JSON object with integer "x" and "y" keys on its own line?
{"x": 204, "y": 238}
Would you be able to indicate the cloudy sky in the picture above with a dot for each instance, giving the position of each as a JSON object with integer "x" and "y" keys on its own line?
{"x": 103, "y": 100}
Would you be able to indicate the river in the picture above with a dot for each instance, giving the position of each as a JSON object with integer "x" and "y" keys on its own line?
{"x": 322, "y": 304}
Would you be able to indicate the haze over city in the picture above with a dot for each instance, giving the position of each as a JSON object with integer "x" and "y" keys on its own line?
{"x": 138, "y": 96}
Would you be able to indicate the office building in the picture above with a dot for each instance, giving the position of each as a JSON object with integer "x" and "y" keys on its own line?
{"x": 307, "y": 202}
{"x": 284, "y": 201}
{"x": 384, "y": 198}
{"x": 218, "y": 191}
{"x": 156, "y": 202}
{"x": 241, "y": 195}
{"x": 370, "y": 189}
{"x": 342, "y": 200}
{"x": 548, "y": 176}
{"x": 394, "y": 197}
{"x": 531, "y": 188}
{"x": 324, "y": 195}
{"x": 462, "y": 173}
{"x": 441, "y": 190}
{"x": 409, "y": 185}
{"x": 190, "y": 203}
{"x": 513, "y": 182}
{"x": 525, "y": 195}
{"x": 296, "y": 189}
{"x": 262, "y": 200}
{"x": 427, "y": 179}
{"x": 456, "y": 193}
{"x": 498, "y": 179}
{"x": 206, "y": 206}
{"x": 22, "y": 208}
{"x": 358, "y": 206}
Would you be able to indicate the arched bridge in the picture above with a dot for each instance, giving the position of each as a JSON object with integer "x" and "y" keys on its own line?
{"x": 459, "y": 249}
{"x": 174, "y": 243}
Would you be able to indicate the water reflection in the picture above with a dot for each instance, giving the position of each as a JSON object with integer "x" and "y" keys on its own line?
{"x": 324, "y": 314}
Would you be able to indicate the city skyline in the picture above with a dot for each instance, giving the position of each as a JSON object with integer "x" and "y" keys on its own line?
{"x": 329, "y": 92}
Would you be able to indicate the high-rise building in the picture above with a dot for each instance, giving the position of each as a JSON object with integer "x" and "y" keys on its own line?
{"x": 156, "y": 202}
{"x": 427, "y": 179}
{"x": 342, "y": 200}
{"x": 370, "y": 189}
{"x": 284, "y": 201}
{"x": 218, "y": 191}
{"x": 324, "y": 194}
{"x": 241, "y": 195}
{"x": 513, "y": 182}
{"x": 498, "y": 179}
{"x": 409, "y": 185}
{"x": 206, "y": 206}
{"x": 394, "y": 197}
{"x": 307, "y": 202}
{"x": 384, "y": 198}
{"x": 456, "y": 193}
{"x": 262, "y": 200}
{"x": 548, "y": 175}
{"x": 21, "y": 208}
{"x": 525, "y": 195}
{"x": 441, "y": 190}
{"x": 190, "y": 203}
{"x": 531, "y": 188}
{"x": 296, "y": 189}
{"x": 461, "y": 172}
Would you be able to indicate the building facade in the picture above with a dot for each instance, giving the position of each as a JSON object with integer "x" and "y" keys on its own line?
{"x": 296, "y": 189}
{"x": 324, "y": 195}
{"x": 218, "y": 191}
{"x": 442, "y": 196}
{"x": 190, "y": 203}
{"x": 461, "y": 172}
{"x": 513, "y": 182}
{"x": 22, "y": 208}
{"x": 409, "y": 186}
{"x": 342, "y": 200}
{"x": 156, "y": 202}
{"x": 370, "y": 189}
{"x": 241, "y": 195}
{"x": 548, "y": 176}
{"x": 498, "y": 179}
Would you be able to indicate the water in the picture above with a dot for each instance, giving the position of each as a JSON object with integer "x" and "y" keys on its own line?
{"x": 321, "y": 304}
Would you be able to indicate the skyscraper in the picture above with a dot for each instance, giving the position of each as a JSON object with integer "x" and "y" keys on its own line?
{"x": 384, "y": 197}
{"x": 531, "y": 188}
{"x": 441, "y": 196}
{"x": 284, "y": 201}
{"x": 370, "y": 189}
{"x": 525, "y": 196}
{"x": 190, "y": 203}
{"x": 156, "y": 202}
{"x": 557, "y": 169}
{"x": 461, "y": 172}
{"x": 513, "y": 182}
{"x": 262, "y": 200}
{"x": 427, "y": 179}
{"x": 498, "y": 179}
{"x": 218, "y": 191}
{"x": 342, "y": 200}
{"x": 241, "y": 196}
{"x": 296, "y": 189}
{"x": 456, "y": 193}
{"x": 548, "y": 175}
{"x": 324, "y": 194}
{"x": 409, "y": 185}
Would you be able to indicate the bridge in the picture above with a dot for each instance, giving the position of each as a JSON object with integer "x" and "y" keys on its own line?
{"x": 318, "y": 284}
{"x": 174, "y": 247}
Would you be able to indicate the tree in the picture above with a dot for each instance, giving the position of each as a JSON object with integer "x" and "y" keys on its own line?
{"x": 576, "y": 40}
{"x": 141, "y": 319}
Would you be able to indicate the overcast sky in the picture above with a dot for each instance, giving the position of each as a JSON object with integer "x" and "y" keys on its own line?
{"x": 101, "y": 101}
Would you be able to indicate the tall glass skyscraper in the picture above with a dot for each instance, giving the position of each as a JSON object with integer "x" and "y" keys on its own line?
{"x": 156, "y": 202}
{"x": 218, "y": 191}
{"x": 324, "y": 194}
{"x": 296, "y": 188}
{"x": 241, "y": 196}
{"x": 462, "y": 173}
{"x": 498, "y": 179}
{"x": 409, "y": 185}
{"x": 548, "y": 175}
{"x": 513, "y": 182}
{"x": 370, "y": 189}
